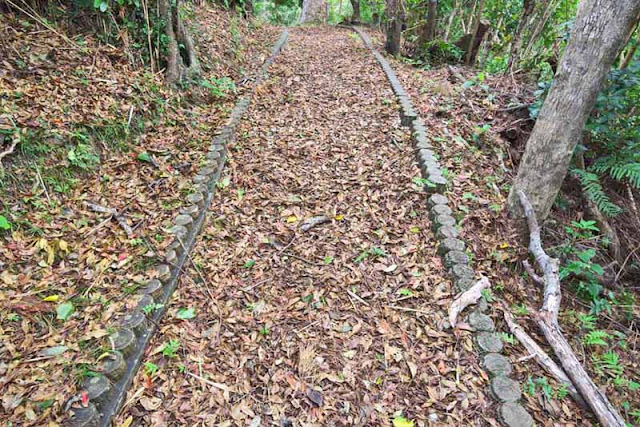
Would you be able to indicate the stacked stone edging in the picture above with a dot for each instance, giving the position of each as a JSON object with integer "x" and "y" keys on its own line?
{"x": 107, "y": 391}
{"x": 454, "y": 258}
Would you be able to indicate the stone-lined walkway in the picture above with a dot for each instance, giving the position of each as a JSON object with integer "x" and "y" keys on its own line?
{"x": 339, "y": 325}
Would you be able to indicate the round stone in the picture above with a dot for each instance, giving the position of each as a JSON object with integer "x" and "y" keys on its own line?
{"x": 450, "y": 244}
{"x": 459, "y": 271}
{"x": 85, "y": 417}
{"x": 97, "y": 388}
{"x": 136, "y": 321}
{"x": 464, "y": 283}
{"x": 482, "y": 305}
{"x": 489, "y": 342}
{"x": 184, "y": 220}
{"x": 443, "y": 221}
{"x": 455, "y": 257}
{"x": 202, "y": 188}
{"x": 192, "y": 210}
{"x": 206, "y": 171}
{"x": 440, "y": 210}
{"x": 213, "y": 155}
{"x": 198, "y": 179}
{"x": 162, "y": 272}
{"x": 497, "y": 364}
{"x": 144, "y": 301}
{"x": 179, "y": 230}
{"x": 481, "y": 322}
{"x": 171, "y": 257}
{"x": 195, "y": 198}
{"x": 437, "y": 199}
{"x": 113, "y": 365}
{"x": 123, "y": 341}
{"x": 514, "y": 415}
{"x": 506, "y": 389}
{"x": 154, "y": 288}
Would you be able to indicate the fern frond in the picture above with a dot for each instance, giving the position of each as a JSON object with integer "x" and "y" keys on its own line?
{"x": 596, "y": 337}
{"x": 593, "y": 190}
{"x": 630, "y": 171}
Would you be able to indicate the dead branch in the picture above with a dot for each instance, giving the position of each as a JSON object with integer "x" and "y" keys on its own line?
{"x": 309, "y": 223}
{"x": 548, "y": 323}
{"x": 467, "y": 298}
{"x": 114, "y": 214}
{"x": 543, "y": 359}
{"x": 8, "y": 150}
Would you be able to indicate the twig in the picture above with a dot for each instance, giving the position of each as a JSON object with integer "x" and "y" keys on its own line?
{"x": 471, "y": 296}
{"x": 412, "y": 310}
{"x": 356, "y": 297}
{"x": 114, "y": 214}
{"x": 44, "y": 187}
{"x": 8, "y": 150}
{"x": 219, "y": 386}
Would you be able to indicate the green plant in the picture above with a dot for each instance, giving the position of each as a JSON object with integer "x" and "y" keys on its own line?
{"x": 4, "y": 223}
{"x": 264, "y": 331}
{"x": 219, "y": 87}
{"x": 608, "y": 363}
{"x": 150, "y": 308}
{"x": 151, "y": 368}
{"x": 373, "y": 251}
{"x": 597, "y": 337}
{"x": 83, "y": 156}
{"x": 170, "y": 348}
{"x": 438, "y": 52}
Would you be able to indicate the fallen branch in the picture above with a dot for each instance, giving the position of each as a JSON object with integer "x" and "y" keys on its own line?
{"x": 543, "y": 359}
{"x": 467, "y": 298}
{"x": 114, "y": 214}
{"x": 309, "y": 223}
{"x": 8, "y": 150}
{"x": 548, "y": 323}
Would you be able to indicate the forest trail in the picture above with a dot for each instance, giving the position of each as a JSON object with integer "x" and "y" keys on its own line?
{"x": 337, "y": 325}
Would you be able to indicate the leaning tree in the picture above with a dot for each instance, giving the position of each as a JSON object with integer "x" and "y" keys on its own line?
{"x": 600, "y": 31}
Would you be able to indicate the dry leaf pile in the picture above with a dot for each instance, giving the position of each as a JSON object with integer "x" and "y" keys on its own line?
{"x": 92, "y": 129}
{"x": 337, "y": 325}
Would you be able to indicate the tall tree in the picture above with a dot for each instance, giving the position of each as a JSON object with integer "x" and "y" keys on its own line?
{"x": 355, "y": 17}
{"x": 428, "y": 29}
{"x": 314, "y": 12}
{"x": 394, "y": 26}
{"x": 600, "y": 30}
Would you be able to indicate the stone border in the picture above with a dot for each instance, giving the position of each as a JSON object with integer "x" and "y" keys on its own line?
{"x": 452, "y": 251}
{"x": 107, "y": 391}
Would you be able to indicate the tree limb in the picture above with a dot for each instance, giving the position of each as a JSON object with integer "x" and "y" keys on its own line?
{"x": 548, "y": 323}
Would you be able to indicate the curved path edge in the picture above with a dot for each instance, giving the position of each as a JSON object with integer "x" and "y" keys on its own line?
{"x": 452, "y": 251}
{"x": 104, "y": 395}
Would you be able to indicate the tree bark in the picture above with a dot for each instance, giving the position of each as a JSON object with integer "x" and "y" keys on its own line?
{"x": 313, "y": 12}
{"x": 172, "y": 73}
{"x": 599, "y": 31}
{"x": 474, "y": 35}
{"x": 428, "y": 30}
{"x": 355, "y": 17}
{"x": 527, "y": 11}
{"x": 394, "y": 26}
{"x": 452, "y": 17}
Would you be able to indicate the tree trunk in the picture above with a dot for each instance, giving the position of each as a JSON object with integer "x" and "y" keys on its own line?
{"x": 172, "y": 73}
{"x": 355, "y": 17}
{"x": 600, "y": 29}
{"x": 394, "y": 26}
{"x": 548, "y": 11}
{"x": 313, "y": 12}
{"x": 452, "y": 17}
{"x": 428, "y": 30}
{"x": 527, "y": 11}
{"x": 473, "y": 41}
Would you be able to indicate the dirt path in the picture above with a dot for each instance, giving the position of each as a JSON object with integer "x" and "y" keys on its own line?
{"x": 339, "y": 325}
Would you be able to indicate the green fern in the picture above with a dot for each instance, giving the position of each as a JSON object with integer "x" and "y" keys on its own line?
{"x": 592, "y": 188}
{"x": 588, "y": 321}
{"x": 609, "y": 362}
{"x": 596, "y": 337}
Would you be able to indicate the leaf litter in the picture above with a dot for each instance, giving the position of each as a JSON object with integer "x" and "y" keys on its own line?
{"x": 342, "y": 323}
{"x": 93, "y": 128}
